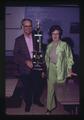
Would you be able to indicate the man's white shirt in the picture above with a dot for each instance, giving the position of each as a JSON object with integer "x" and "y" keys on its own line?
{"x": 29, "y": 43}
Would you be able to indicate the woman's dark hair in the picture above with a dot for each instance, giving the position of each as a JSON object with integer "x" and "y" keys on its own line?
{"x": 55, "y": 27}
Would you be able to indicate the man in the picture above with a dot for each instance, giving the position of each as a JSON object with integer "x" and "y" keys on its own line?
{"x": 24, "y": 46}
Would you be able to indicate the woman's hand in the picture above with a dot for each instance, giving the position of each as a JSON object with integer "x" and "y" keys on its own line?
{"x": 70, "y": 73}
{"x": 74, "y": 74}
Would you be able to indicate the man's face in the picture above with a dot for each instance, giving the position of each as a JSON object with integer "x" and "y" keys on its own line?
{"x": 55, "y": 35}
{"x": 27, "y": 27}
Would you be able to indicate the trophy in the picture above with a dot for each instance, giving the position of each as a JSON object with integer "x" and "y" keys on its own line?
{"x": 38, "y": 57}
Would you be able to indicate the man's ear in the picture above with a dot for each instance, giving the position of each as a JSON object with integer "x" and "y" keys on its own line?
{"x": 21, "y": 26}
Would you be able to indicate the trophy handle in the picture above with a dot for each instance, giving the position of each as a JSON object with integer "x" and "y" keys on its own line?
{"x": 38, "y": 23}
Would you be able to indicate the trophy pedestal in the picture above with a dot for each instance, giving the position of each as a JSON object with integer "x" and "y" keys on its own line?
{"x": 37, "y": 61}
{"x": 38, "y": 58}
{"x": 37, "y": 66}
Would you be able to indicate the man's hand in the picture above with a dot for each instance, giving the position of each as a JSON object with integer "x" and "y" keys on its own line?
{"x": 29, "y": 64}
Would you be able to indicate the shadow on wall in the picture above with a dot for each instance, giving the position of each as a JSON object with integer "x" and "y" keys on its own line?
{"x": 69, "y": 41}
{"x": 76, "y": 58}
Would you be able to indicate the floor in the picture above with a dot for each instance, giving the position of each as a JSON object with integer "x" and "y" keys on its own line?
{"x": 35, "y": 110}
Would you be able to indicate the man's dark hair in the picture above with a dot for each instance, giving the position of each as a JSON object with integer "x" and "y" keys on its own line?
{"x": 25, "y": 19}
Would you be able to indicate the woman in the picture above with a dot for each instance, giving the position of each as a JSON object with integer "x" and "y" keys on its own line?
{"x": 59, "y": 61}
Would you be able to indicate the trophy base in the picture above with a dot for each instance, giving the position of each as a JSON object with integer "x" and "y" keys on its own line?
{"x": 37, "y": 67}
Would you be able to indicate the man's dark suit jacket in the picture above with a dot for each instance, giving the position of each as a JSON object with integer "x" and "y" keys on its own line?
{"x": 21, "y": 54}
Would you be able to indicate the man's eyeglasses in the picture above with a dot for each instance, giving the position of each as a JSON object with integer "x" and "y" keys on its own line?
{"x": 26, "y": 26}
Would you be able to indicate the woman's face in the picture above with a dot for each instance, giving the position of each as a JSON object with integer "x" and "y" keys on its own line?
{"x": 55, "y": 36}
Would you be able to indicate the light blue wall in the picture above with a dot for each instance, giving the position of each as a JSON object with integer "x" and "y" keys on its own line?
{"x": 64, "y": 16}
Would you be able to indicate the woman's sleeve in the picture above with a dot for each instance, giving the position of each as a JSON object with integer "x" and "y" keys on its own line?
{"x": 47, "y": 57}
{"x": 69, "y": 57}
